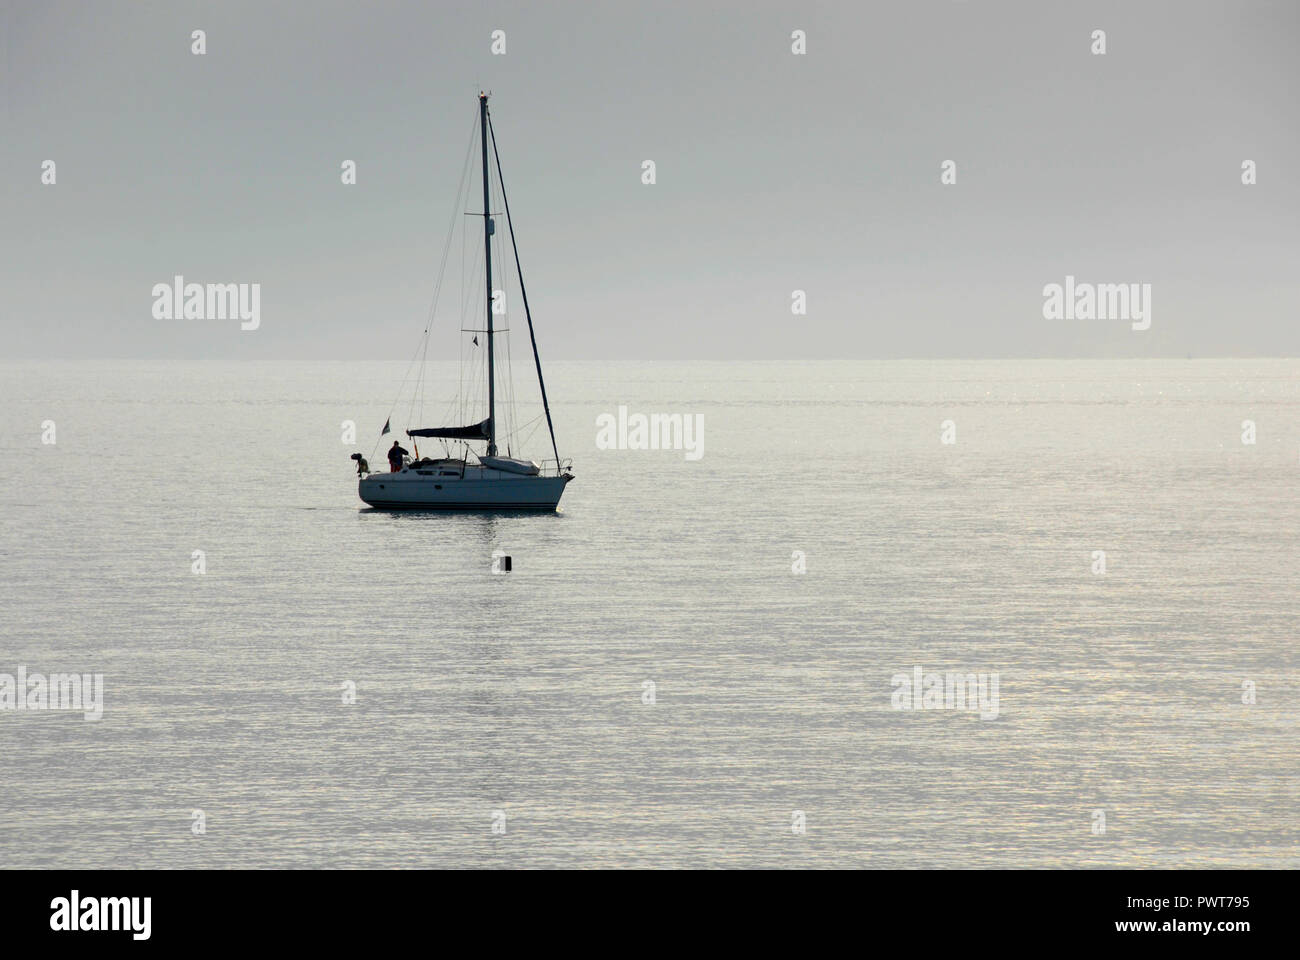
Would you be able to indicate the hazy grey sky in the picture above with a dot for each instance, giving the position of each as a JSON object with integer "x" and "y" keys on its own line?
{"x": 775, "y": 172}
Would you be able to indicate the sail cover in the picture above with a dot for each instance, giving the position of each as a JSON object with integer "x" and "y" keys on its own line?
{"x": 477, "y": 431}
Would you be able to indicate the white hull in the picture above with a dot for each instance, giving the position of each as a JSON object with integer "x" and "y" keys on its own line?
{"x": 474, "y": 488}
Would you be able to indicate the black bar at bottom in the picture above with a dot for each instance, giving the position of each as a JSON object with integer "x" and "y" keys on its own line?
{"x": 1221, "y": 910}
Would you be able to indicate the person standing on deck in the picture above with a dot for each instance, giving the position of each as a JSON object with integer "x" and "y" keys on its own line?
{"x": 395, "y": 454}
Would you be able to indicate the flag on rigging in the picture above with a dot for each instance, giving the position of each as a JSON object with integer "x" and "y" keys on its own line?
{"x": 476, "y": 339}
{"x": 385, "y": 430}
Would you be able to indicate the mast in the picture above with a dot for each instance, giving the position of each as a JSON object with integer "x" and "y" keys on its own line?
{"x": 487, "y": 249}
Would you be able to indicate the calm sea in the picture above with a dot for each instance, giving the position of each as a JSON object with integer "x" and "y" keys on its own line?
{"x": 1147, "y": 714}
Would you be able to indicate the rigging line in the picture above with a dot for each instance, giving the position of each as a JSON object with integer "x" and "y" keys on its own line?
{"x": 457, "y": 405}
{"x": 514, "y": 394}
{"x": 511, "y": 396}
{"x": 535, "y": 422}
{"x": 524, "y": 293}
{"x": 468, "y": 293}
{"x": 405, "y": 378}
{"x": 464, "y": 351}
{"x": 508, "y": 399}
{"x": 422, "y": 347}
{"x": 464, "y": 295}
{"x": 448, "y": 411}
{"x": 471, "y": 398}
{"x": 442, "y": 271}
{"x": 464, "y": 242}
{"x": 419, "y": 384}
{"x": 527, "y": 423}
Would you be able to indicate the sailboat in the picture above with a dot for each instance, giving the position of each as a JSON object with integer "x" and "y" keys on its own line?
{"x": 474, "y": 480}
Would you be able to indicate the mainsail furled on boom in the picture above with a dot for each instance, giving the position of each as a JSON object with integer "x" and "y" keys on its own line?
{"x": 478, "y": 431}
